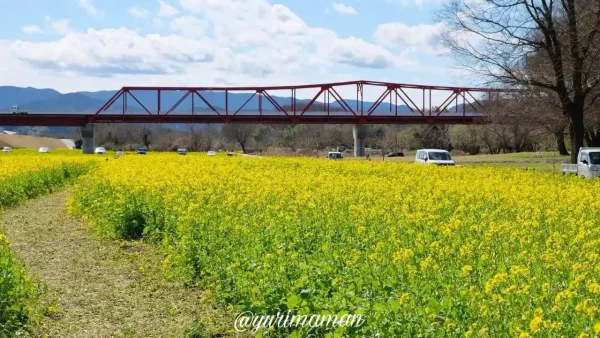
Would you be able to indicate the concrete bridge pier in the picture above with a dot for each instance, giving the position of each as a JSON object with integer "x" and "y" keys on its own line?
{"x": 87, "y": 136}
{"x": 359, "y": 132}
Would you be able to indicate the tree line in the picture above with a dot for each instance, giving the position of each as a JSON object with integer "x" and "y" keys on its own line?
{"x": 548, "y": 50}
{"x": 312, "y": 139}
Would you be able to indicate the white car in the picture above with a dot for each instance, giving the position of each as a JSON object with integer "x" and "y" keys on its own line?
{"x": 44, "y": 150}
{"x": 434, "y": 156}
{"x": 6, "y": 149}
{"x": 211, "y": 153}
{"x": 182, "y": 151}
{"x": 100, "y": 150}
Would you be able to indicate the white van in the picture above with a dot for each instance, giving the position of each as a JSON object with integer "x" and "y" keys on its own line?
{"x": 100, "y": 150}
{"x": 44, "y": 150}
{"x": 434, "y": 156}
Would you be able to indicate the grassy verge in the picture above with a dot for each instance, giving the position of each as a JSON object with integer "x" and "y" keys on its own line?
{"x": 543, "y": 161}
{"x": 18, "y": 294}
{"x": 533, "y": 166}
{"x": 97, "y": 287}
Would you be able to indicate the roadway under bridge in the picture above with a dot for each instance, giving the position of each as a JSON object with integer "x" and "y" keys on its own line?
{"x": 328, "y": 103}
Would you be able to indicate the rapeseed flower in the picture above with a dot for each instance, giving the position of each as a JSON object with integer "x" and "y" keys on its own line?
{"x": 381, "y": 238}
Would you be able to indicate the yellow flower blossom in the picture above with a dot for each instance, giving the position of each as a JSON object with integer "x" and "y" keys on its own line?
{"x": 535, "y": 324}
{"x": 597, "y": 328}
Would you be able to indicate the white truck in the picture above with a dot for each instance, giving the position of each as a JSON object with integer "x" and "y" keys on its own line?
{"x": 588, "y": 164}
{"x": 434, "y": 156}
{"x": 16, "y": 111}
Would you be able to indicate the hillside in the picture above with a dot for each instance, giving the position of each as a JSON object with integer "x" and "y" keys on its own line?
{"x": 10, "y": 96}
{"x": 72, "y": 102}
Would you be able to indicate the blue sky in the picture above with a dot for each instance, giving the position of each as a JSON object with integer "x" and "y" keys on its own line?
{"x": 73, "y": 45}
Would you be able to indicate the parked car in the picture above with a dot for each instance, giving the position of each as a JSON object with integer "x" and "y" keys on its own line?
{"x": 182, "y": 151}
{"x": 396, "y": 154}
{"x": 588, "y": 164}
{"x": 6, "y": 149}
{"x": 434, "y": 156}
{"x": 335, "y": 155}
{"x": 44, "y": 150}
{"x": 211, "y": 153}
{"x": 100, "y": 150}
{"x": 142, "y": 150}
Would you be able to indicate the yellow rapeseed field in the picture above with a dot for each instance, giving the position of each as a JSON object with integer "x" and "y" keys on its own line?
{"x": 19, "y": 162}
{"x": 435, "y": 251}
{"x": 25, "y": 175}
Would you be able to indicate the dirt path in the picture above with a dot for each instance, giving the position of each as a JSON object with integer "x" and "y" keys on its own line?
{"x": 101, "y": 288}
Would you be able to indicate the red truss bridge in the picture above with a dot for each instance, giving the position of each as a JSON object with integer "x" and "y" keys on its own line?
{"x": 333, "y": 103}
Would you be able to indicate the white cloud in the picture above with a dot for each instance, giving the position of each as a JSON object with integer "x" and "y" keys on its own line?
{"x": 423, "y": 37}
{"x": 166, "y": 10}
{"x": 89, "y": 7}
{"x": 344, "y": 9}
{"x": 115, "y": 51}
{"x": 248, "y": 42}
{"x": 47, "y": 18}
{"x": 257, "y": 23}
{"x": 356, "y": 52}
{"x": 32, "y": 29}
{"x": 61, "y": 27}
{"x": 138, "y": 12}
{"x": 189, "y": 26}
{"x": 242, "y": 23}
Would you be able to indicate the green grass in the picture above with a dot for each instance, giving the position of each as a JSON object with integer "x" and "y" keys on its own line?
{"x": 514, "y": 157}
{"x": 549, "y": 161}
{"x": 535, "y": 166}
{"x": 97, "y": 287}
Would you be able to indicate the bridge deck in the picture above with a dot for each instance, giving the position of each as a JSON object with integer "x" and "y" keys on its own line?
{"x": 70, "y": 119}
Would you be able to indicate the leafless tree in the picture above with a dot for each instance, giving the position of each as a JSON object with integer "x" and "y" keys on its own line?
{"x": 239, "y": 133}
{"x": 466, "y": 138}
{"x": 393, "y": 140}
{"x": 592, "y": 133}
{"x": 145, "y": 135}
{"x": 501, "y": 39}
{"x": 546, "y": 109}
{"x": 195, "y": 138}
{"x": 211, "y": 137}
